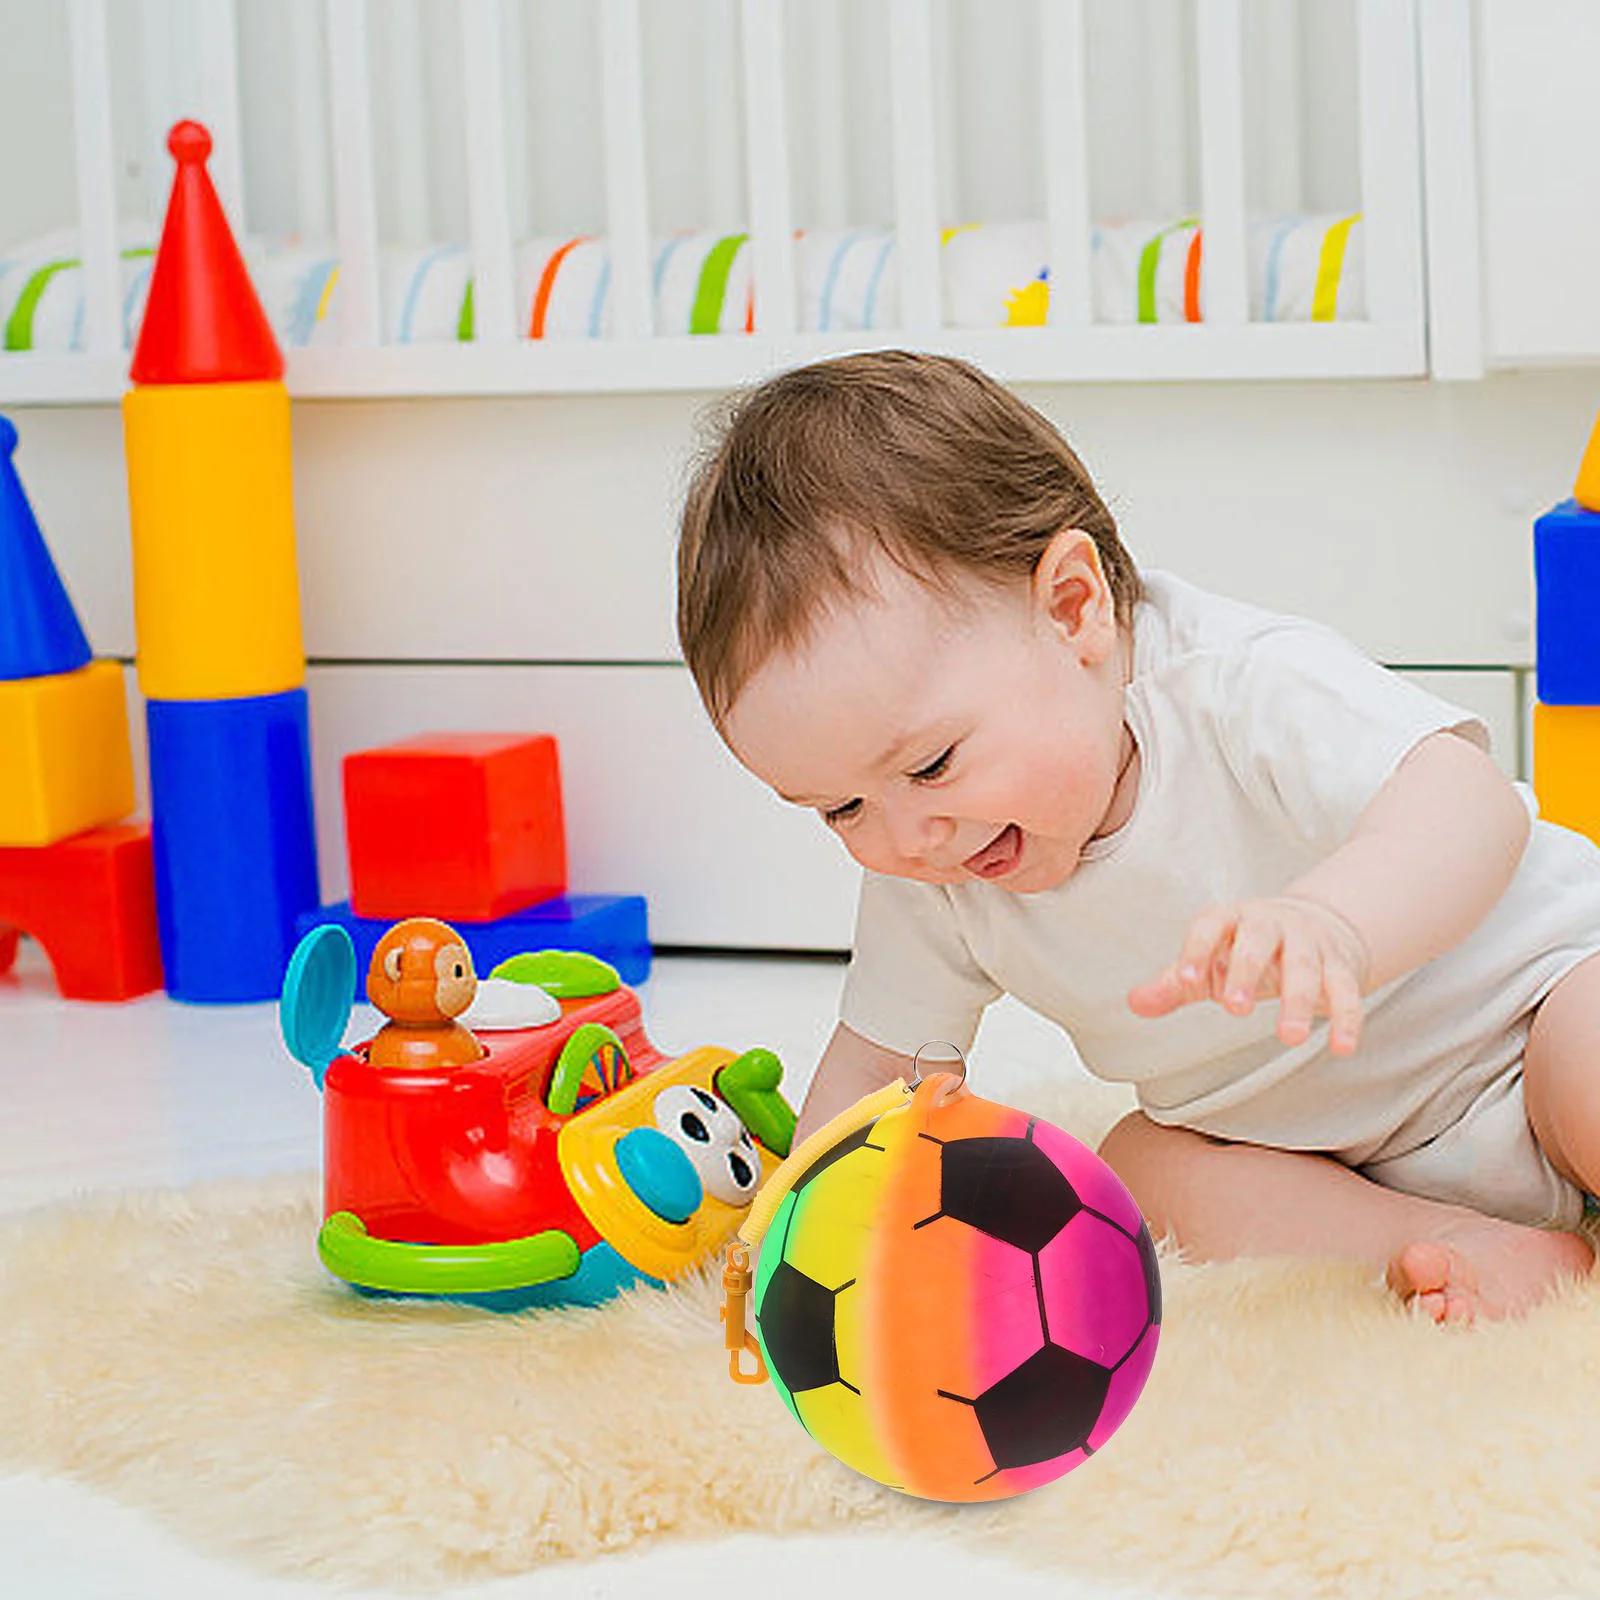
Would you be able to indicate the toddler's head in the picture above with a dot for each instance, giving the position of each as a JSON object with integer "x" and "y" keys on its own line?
{"x": 905, "y": 605}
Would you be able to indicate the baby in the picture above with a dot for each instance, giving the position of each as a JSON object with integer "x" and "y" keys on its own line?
{"x": 1143, "y": 810}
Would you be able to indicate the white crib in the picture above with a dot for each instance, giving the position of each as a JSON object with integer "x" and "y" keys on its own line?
{"x": 798, "y": 128}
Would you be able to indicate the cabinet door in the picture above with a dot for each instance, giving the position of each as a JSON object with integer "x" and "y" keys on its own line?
{"x": 1539, "y": 122}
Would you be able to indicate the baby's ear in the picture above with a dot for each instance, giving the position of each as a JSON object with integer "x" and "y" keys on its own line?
{"x": 1070, "y": 589}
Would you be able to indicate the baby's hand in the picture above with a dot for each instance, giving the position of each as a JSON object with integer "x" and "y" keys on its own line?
{"x": 1300, "y": 950}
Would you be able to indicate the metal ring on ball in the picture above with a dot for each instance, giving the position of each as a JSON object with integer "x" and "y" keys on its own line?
{"x": 951, "y": 1090}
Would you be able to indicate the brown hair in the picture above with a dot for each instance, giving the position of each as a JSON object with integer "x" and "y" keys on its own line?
{"x": 921, "y": 456}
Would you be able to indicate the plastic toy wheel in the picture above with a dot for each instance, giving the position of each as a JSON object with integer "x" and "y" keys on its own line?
{"x": 592, "y": 1064}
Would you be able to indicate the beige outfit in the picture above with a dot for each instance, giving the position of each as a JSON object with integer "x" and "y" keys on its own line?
{"x": 1262, "y": 739}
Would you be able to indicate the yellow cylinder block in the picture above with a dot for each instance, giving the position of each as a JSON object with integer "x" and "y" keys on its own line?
{"x": 216, "y": 594}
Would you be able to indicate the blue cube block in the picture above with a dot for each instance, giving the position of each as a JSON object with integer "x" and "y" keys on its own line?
{"x": 234, "y": 842}
{"x": 611, "y": 926}
{"x": 1566, "y": 562}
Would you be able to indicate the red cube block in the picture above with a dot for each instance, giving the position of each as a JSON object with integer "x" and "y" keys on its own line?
{"x": 90, "y": 901}
{"x": 457, "y": 825}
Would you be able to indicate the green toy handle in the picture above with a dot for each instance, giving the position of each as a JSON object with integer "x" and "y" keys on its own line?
{"x": 749, "y": 1083}
{"x": 348, "y": 1251}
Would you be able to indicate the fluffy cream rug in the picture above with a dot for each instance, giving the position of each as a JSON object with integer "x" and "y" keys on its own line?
{"x": 1300, "y": 1435}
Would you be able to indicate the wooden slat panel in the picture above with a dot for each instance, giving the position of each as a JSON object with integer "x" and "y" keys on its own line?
{"x": 217, "y": 54}
{"x": 916, "y": 187}
{"x": 97, "y": 199}
{"x": 725, "y": 172}
{"x": 407, "y": 119}
{"x": 627, "y": 191}
{"x": 309, "y": 112}
{"x": 830, "y": 116}
{"x": 1064, "y": 83}
{"x": 488, "y": 207}
{"x": 159, "y": 100}
{"x": 1276, "y": 31}
{"x": 355, "y": 200}
{"x": 767, "y": 165}
{"x": 1391, "y": 198}
{"x": 1450, "y": 154}
{"x": 1225, "y": 291}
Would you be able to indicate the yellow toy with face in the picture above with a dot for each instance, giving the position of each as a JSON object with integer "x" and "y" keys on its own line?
{"x": 665, "y": 1168}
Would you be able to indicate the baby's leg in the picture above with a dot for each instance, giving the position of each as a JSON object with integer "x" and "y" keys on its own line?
{"x": 1221, "y": 1200}
{"x": 1561, "y": 1076}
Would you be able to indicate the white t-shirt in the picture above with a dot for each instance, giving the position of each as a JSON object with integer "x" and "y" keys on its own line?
{"x": 1262, "y": 738}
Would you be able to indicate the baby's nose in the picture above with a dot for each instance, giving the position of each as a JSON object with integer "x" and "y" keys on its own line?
{"x": 917, "y": 833}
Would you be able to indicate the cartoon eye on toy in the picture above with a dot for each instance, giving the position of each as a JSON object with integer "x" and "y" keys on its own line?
{"x": 712, "y": 1136}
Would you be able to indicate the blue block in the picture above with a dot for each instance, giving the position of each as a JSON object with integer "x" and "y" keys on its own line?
{"x": 1566, "y": 564}
{"x": 234, "y": 842}
{"x": 39, "y": 631}
{"x": 611, "y": 926}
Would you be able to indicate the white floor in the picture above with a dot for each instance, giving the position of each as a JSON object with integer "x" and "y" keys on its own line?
{"x": 94, "y": 1098}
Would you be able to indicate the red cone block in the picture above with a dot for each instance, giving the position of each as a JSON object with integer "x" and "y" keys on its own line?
{"x": 203, "y": 322}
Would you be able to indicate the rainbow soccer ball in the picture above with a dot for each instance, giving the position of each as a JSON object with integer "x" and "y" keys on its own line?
{"x": 958, "y": 1300}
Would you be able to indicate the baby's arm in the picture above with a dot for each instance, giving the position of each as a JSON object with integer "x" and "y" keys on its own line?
{"x": 1429, "y": 857}
{"x": 850, "y": 1068}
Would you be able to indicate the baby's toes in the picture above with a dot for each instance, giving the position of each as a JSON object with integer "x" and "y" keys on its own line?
{"x": 1434, "y": 1303}
{"x": 1421, "y": 1269}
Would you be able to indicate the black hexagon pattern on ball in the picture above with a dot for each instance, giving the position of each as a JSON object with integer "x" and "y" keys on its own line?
{"x": 797, "y": 1326}
{"x": 1008, "y": 1188}
{"x": 1042, "y": 1409}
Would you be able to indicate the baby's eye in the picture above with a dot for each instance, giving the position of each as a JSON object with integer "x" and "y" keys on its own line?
{"x": 842, "y": 813}
{"x": 935, "y": 768}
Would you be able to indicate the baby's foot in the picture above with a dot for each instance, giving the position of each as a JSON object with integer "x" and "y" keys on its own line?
{"x": 1483, "y": 1267}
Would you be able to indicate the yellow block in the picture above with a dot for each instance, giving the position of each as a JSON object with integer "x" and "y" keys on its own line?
{"x": 65, "y": 762}
{"x": 1566, "y": 766}
{"x": 216, "y": 596}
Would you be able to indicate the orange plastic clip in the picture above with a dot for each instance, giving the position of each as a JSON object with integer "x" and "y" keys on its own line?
{"x": 736, "y": 1338}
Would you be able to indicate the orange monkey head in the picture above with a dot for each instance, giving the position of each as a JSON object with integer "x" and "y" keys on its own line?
{"x": 421, "y": 972}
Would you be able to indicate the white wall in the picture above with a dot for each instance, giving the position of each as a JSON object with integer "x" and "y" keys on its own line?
{"x": 509, "y": 564}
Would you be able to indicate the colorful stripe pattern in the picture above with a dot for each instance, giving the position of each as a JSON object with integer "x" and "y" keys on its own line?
{"x": 1330, "y": 268}
{"x": 1307, "y": 268}
{"x": 960, "y": 1303}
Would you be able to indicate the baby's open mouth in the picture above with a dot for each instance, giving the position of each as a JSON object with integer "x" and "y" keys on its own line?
{"x": 999, "y": 856}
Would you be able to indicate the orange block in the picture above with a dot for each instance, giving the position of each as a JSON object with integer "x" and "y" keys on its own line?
{"x": 1566, "y": 766}
{"x": 1587, "y": 489}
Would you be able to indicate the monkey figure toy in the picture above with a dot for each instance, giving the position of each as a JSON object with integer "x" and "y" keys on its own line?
{"x": 421, "y": 979}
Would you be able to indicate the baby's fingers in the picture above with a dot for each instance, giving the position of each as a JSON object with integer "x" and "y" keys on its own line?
{"x": 1256, "y": 942}
{"x": 1207, "y": 948}
{"x": 1301, "y": 986}
{"x": 1156, "y": 996}
{"x": 1193, "y": 975}
{"x": 1344, "y": 1008}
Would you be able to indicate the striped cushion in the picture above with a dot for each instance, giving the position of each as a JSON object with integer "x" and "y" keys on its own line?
{"x": 1301, "y": 268}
